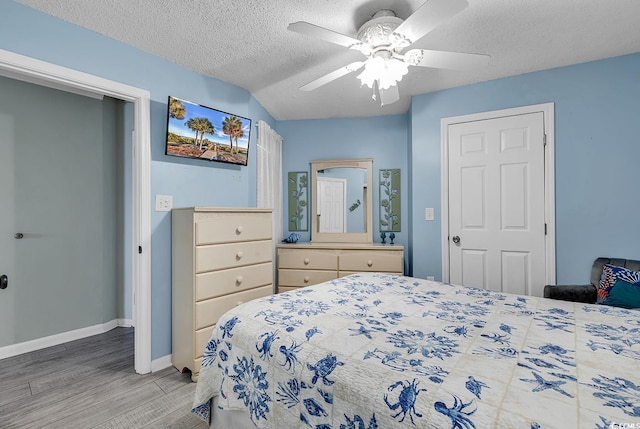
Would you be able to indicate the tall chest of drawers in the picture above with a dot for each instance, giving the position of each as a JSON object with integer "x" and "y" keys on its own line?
{"x": 221, "y": 257}
{"x": 307, "y": 264}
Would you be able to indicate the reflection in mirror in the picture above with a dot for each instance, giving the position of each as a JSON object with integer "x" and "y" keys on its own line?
{"x": 341, "y": 201}
{"x": 341, "y": 192}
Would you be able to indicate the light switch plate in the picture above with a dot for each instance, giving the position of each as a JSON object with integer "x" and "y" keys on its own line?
{"x": 164, "y": 203}
{"x": 429, "y": 214}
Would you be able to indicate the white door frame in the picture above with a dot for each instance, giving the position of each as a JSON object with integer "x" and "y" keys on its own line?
{"x": 547, "y": 110}
{"x": 42, "y": 73}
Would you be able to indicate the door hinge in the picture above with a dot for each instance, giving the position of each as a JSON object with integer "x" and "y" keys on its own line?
{"x": 140, "y": 249}
{"x": 545, "y": 229}
{"x": 544, "y": 139}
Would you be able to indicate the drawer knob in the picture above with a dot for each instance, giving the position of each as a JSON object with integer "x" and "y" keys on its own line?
{"x": 239, "y": 255}
{"x": 306, "y": 279}
{"x": 306, "y": 261}
{"x": 239, "y": 229}
{"x": 369, "y": 263}
{"x": 239, "y": 280}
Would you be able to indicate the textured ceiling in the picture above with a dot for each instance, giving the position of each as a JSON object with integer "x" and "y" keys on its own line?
{"x": 246, "y": 43}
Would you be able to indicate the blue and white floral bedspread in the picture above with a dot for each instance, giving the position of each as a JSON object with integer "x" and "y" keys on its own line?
{"x": 383, "y": 351}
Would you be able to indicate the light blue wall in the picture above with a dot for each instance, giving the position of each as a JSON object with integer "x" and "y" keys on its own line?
{"x": 191, "y": 182}
{"x": 383, "y": 138}
{"x": 597, "y": 149}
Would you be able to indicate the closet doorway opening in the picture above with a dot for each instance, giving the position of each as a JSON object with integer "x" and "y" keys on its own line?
{"x": 30, "y": 70}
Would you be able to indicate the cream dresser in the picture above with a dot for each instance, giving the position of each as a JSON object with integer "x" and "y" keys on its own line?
{"x": 221, "y": 257}
{"x": 309, "y": 263}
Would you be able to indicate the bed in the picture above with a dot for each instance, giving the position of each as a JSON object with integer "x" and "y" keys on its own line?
{"x": 383, "y": 351}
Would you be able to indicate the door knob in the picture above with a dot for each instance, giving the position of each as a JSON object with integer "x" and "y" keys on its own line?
{"x": 456, "y": 239}
{"x": 4, "y": 281}
{"x": 18, "y": 235}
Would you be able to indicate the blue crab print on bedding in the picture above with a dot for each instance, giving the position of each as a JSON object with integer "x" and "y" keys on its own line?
{"x": 267, "y": 340}
{"x": 304, "y": 358}
{"x": 406, "y": 400}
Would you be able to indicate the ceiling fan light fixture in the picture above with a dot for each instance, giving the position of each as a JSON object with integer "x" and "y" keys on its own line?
{"x": 387, "y": 72}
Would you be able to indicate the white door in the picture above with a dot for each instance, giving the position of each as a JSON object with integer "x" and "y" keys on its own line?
{"x": 332, "y": 200}
{"x": 497, "y": 204}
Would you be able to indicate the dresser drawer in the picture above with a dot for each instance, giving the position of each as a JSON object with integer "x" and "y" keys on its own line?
{"x": 304, "y": 277}
{"x": 212, "y": 228}
{"x": 208, "y": 312}
{"x": 308, "y": 259}
{"x": 220, "y": 256}
{"x": 363, "y": 260}
{"x": 202, "y": 338}
{"x": 218, "y": 283}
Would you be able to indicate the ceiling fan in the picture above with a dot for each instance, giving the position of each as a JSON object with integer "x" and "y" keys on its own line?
{"x": 383, "y": 40}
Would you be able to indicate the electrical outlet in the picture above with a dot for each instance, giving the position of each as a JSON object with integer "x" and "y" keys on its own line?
{"x": 429, "y": 214}
{"x": 164, "y": 203}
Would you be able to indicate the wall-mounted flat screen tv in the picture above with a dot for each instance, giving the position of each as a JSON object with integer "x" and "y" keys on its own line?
{"x": 195, "y": 131}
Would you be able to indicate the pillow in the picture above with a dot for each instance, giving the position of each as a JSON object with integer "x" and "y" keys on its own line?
{"x": 624, "y": 294}
{"x": 610, "y": 274}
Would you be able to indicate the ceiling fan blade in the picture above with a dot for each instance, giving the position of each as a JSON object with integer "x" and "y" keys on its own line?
{"x": 303, "y": 27}
{"x": 332, "y": 76}
{"x": 446, "y": 59}
{"x": 389, "y": 95}
{"x": 427, "y": 17}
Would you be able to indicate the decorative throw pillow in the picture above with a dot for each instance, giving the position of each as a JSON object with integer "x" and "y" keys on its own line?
{"x": 624, "y": 294}
{"x": 612, "y": 273}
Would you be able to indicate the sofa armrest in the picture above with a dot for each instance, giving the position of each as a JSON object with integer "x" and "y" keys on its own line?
{"x": 575, "y": 293}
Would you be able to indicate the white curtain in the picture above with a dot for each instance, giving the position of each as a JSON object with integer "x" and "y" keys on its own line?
{"x": 270, "y": 175}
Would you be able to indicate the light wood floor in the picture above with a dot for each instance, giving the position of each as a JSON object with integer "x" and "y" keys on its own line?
{"x": 90, "y": 383}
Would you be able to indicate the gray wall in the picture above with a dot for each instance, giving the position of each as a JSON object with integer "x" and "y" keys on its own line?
{"x": 69, "y": 166}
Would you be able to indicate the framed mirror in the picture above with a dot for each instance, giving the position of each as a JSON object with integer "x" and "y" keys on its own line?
{"x": 342, "y": 201}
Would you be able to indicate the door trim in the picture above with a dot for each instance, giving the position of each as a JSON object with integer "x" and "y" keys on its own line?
{"x": 547, "y": 110}
{"x": 28, "y": 69}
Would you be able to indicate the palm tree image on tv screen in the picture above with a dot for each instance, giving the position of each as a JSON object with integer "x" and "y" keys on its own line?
{"x": 195, "y": 131}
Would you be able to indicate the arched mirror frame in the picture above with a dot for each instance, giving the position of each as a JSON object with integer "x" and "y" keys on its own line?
{"x": 346, "y": 237}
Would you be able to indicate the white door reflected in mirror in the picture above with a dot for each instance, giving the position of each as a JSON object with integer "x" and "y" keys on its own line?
{"x": 332, "y": 202}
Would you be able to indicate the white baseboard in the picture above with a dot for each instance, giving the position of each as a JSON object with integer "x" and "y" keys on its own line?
{"x": 64, "y": 337}
{"x": 125, "y": 323}
{"x": 161, "y": 363}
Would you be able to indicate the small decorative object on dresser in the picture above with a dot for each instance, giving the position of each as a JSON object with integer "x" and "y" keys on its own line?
{"x": 292, "y": 238}
{"x": 221, "y": 258}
